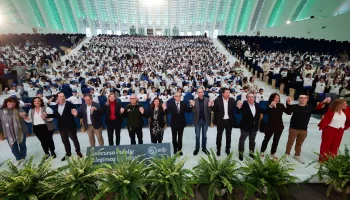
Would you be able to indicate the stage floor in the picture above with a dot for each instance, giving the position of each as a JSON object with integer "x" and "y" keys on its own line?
{"x": 310, "y": 146}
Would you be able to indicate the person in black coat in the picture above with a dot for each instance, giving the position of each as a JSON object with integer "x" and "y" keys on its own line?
{"x": 224, "y": 119}
{"x": 274, "y": 126}
{"x": 63, "y": 111}
{"x": 114, "y": 119}
{"x": 134, "y": 113}
{"x": 157, "y": 123}
{"x": 249, "y": 124}
{"x": 177, "y": 109}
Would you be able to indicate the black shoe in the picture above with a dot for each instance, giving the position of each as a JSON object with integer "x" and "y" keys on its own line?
{"x": 227, "y": 152}
{"x": 206, "y": 151}
{"x": 218, "y": 153}
{"x": 175, "y": 152}
{"x": 79, "y": 154}
{"x": 53, "y": 155}
{"x": 252, "y": 155}
{"x": 240, "y": 157}
{"x": 195, "y": 152}
{"x": 181, "y": 153}
{"x": 65, "y": 157}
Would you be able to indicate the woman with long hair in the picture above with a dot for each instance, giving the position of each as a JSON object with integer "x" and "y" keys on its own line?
{"x": 14, "y": 128}
{"x": 333, "y": 124}
{"x": 274, "y": 126}
{"x": 42, "y": 128}
{"x": 113, "y": 118}
{"x": 157, "y": 124}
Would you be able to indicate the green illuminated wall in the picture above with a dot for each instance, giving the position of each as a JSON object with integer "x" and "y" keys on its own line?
{"x": 38, "y": 14}
{"x": 54, "y": 14}
{"x": 245, "y": 15}
{"x": 231, "y": 18}
{"x": 275, "y": 13}
{"x": 11, "y": 6}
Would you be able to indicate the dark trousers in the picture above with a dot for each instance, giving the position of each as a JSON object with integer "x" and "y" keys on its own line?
{"x": 276, "y": 138}
{"x": 244, "y": 135}
{"x": 157, "y": 138}
{"x": 45, "y": 137}
{"x": 72, "y": 134}
{"x": 225, "y": 125}
{"x": 177, "y": 133}
{"x": 113, "y": 127}
{"x": 133, "y": 132}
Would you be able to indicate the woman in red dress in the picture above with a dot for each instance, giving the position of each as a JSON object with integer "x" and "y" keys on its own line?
{"x": 333, "y": 125}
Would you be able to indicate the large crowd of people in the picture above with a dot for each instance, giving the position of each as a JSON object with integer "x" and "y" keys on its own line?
{"x": 137, "y": 77}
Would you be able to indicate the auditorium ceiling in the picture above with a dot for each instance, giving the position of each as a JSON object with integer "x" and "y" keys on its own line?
{"x": 165, "y": 17}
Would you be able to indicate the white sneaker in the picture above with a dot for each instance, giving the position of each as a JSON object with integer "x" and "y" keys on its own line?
{"x": 299, "y": 159}
{"x": 23, "y": 162}
{"x": 287, "y": 157}
{"x": 18, "y": 163}
{"x": 262, "y": 155}
{"x": 274, "y": 157}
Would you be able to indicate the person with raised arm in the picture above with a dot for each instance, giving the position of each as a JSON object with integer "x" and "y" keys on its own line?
{"x": 224, "y": 119}
{"x": 134, "y": 113}
{"x": 274, "y": 126}
{"x": 249, "y": 124}
{"x": 301, "y": 114}
{"x": 64, "y": 112}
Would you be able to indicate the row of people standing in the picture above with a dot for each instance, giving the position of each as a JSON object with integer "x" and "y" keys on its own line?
{"x": 333, "y": 125}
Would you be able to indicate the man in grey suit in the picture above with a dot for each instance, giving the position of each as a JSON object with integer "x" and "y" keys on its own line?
{"x": 201, "y": 119}
{"x": 91, "y": 114}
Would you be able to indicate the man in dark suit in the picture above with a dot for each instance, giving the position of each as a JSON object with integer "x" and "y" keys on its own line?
{"x": 92, "y": 123}
{"x": 249, "y": 124}
{"x": 201, "y": 119}
{"x": 224, "y": 119}
{"x": 66, "y": 124}
{"x": 177, "y": 109}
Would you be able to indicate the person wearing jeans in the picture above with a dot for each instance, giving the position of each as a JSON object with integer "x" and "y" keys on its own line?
{"x": 202, "y": 108}
{"x": 14, "y": 128}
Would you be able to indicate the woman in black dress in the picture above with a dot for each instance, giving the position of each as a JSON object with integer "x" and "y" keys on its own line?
{"x": 157, "y": 124}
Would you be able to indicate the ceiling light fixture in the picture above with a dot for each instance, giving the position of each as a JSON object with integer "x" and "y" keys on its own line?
{"x": 288, "y": 22}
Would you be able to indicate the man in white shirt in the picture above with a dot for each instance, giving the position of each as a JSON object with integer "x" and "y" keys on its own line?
{"x": 224, "y": 119}
{"x": 249, "y": 124}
